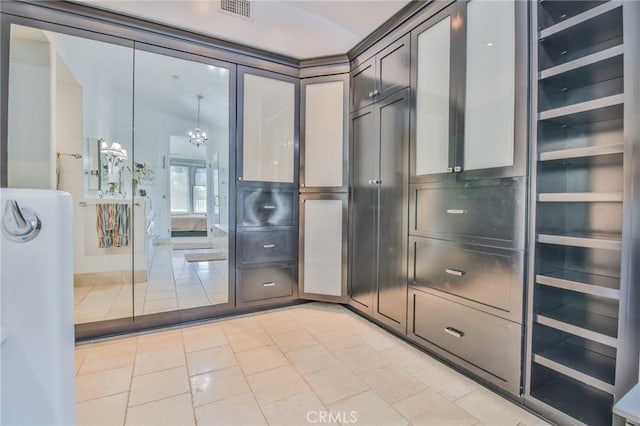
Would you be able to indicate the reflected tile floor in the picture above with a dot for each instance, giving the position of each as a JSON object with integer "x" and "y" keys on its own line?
{"x": 173, "y": 283}
{"x": 292, "y": 366}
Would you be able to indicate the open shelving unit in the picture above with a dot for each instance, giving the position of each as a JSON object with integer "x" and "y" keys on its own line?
{"x": 578, "y": 191}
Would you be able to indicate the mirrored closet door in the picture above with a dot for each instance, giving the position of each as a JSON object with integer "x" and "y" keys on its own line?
{"x": 181, "y": 174}
{"x": 152, "y": 193}
{"x": 69, "y": 128}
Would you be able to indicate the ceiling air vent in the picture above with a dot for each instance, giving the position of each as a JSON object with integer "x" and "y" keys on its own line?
{"x": 241, "y": 8}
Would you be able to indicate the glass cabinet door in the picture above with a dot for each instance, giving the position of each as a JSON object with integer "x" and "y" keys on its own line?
{"x": 269, "y": 137}
{"x": 324, "y": 141}
{"x": 490, "y": 85}
{"x": 431, "y": 153}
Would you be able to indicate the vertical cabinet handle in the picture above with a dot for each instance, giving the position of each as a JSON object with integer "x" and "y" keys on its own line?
{"x": 454, "y": 332}
{"x": 454, "y": 272}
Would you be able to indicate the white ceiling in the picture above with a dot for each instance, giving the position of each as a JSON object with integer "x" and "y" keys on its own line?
{"x": 300, "y": 29}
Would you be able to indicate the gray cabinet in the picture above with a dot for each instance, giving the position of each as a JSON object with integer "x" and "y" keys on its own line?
{"x": 324, "y": 180}
{"x": 382, "y": 74}
{"x": 267, "y": 175}
{"x": 482, "y": 343}
{"x": 266, "y": 207}
{"x": 324, "y": 133}
{"x": 265, "y": 283}
{"x": 364, "y": 206}
{"x": 469, "y": 80}
{"x": 378, "y": 209}
{"x": 323, "y": 251}
{"x": 268, "y": 121}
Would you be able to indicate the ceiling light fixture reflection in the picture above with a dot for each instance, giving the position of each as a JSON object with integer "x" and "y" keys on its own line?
{"x": 197, "y": 137}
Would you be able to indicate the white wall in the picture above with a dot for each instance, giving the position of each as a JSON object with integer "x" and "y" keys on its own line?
{"x": 29, "y": 162}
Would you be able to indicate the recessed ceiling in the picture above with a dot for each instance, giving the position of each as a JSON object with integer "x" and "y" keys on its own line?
{"x": 299, "y": 29}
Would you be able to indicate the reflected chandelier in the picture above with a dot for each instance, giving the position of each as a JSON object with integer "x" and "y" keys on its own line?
{"x": 197, "y": 137}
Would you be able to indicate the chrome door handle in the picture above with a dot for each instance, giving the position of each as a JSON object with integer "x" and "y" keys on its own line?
{"x": 269, "y": 246}
{"x": 20, "y": 224}
{"x": 455, "y": 333}
{"x": 456, "y": 211}
{"x": 454, "y": 272}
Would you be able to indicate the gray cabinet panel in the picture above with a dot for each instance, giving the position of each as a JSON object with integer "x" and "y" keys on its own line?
{"x": 489, "y": 212}
{"x": 382, "y": 75}
{"x": 267, "y": 207}
{"x": 363, "y": 84}
{"x": 488, "y": 343}
{"x": 393, "y": 118}
{"x": 487, "y": 276}
{"x": 262, "y": 283}
{"x": 392, "y": 67}
{"x": 364, "y": 198}
{"x": 267, "y": 245}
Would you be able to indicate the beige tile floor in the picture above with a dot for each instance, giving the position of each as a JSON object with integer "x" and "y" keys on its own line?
{"x": 282, "y": 367}
{"x": 173, "y": 283}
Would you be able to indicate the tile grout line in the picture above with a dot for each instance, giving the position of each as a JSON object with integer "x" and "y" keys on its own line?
{"x": 186, "y": 366}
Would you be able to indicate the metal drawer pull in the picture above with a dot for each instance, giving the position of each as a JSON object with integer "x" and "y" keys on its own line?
{"x": 454, "y": 272}
{"x": 269, "y": 207}
{"x": 269, "y": 246}
{"x": 271, "y": 284}
{"x": 455, "y": 333}
{"x": 374, "y": 182}
{"x": 456, "y": 211}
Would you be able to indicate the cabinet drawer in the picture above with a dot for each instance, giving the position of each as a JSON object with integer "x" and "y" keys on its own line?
{"x": 264, "y": 283}
{"x": 487, "y": 342}
{"x": 273, "y": 245}
{"x": 489, "y": 276}
{"x": 474, "y": 213}
{"x": 266, "y": 207}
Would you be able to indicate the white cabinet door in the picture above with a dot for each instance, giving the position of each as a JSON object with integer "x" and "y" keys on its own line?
{"x": 323, "y": 150}
{"x": 323, "y": 247}
{"x": 269, "y": 136}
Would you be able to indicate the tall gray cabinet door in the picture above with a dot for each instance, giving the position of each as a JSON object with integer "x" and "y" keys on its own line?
{"x": 393, "y": 119}
{"x": 364, "y": 201}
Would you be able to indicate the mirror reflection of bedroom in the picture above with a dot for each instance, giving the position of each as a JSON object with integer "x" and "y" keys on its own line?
{"x": 184, "y": 106}
{"x": 198, "y": 202}
{"x": 141, "y": 141}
